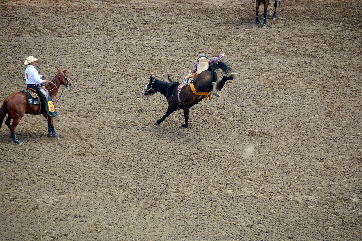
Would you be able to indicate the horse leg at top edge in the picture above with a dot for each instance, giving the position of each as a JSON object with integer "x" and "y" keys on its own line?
{"x": 257, "y": 12}
{"x": 12, "y": 127}
{"x": 275, "y": 9}
{"x": 265, "y": 13}
{"x": 186, "y": 115}
{"x": 51, "y": 129}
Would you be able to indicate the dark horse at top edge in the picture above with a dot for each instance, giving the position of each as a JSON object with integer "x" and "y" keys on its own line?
{"x": 17, "y": 104}
{"x": 184, "y": 96}
{"x": 266, "y": 4}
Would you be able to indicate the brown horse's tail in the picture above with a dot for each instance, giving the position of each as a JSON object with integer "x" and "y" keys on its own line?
{"x": 3, "y": 111}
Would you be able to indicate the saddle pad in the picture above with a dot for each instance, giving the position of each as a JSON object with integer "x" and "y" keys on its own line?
{"x": 32, "y": 96}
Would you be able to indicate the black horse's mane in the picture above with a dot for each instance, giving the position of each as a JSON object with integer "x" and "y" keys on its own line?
{"x": 165, "y": 87}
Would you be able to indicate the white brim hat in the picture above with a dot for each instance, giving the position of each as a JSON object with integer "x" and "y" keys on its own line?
{"x": 29, "y": 60}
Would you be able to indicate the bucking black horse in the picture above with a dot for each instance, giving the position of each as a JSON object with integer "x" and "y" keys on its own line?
{"x": 184, "y": 96}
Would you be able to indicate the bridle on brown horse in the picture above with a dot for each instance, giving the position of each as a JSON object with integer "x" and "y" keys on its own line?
{"x": 55, "y": 86}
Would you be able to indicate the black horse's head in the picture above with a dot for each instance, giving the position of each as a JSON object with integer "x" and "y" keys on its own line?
{"x": 148, "y": 90}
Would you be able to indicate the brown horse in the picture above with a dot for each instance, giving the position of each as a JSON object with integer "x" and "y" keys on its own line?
{"x": 184, "y": 96}
{"x": 266, "y": 4}
{"x": 17, "y": 104}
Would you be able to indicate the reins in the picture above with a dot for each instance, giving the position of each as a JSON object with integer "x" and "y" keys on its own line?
{"x": 53, "y": 82}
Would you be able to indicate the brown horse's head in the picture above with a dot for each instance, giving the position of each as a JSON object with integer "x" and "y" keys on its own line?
{"x": 62, "y": 77}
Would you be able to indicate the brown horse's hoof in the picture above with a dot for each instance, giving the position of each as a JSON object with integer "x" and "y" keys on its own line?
{"x": 52, "y": 134}
{"x": 15, "y": 140}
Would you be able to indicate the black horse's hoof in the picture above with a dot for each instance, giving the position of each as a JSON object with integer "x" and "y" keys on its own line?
{"x": 157, "y": 123}
{"x": 184, "y": 126}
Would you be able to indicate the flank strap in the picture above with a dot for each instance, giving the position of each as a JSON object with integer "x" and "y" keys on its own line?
{"x": 205, "y": 94}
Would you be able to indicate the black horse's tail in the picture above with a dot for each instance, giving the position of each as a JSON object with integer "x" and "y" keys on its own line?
{"x": 3, "y": 111}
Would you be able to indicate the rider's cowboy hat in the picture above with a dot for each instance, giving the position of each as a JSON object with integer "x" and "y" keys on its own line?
{"x": 29, "y": 60}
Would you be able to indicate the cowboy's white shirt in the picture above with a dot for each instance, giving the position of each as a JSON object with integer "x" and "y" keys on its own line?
{"x": 32, "y": 75}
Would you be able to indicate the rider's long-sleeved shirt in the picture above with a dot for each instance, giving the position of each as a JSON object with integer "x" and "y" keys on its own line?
{"x": 32, "y": 76}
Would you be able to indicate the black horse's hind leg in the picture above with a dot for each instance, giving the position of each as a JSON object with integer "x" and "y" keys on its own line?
{"x": 170, "y": 109}
{"x": 222, "y": 82}
{"x": 186, "y": 115}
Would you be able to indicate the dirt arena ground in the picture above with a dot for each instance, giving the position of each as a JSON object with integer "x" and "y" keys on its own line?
{"x": 276, "y": 157}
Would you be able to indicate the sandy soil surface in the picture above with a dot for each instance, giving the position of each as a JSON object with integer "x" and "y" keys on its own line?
{"x": 276, "y": 157}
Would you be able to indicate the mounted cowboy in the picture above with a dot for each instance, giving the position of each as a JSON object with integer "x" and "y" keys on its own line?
{"x": 201, "y": 65}
{"x": 35, "y": 81}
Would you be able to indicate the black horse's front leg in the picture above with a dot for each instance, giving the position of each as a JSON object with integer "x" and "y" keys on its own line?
{"x": 186, "y": 115}
{"x": 169, "y": 111}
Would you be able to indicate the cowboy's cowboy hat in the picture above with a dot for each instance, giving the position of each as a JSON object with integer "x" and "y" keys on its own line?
{"x": 29, "y": 60}
{"x": 201, "y": 56}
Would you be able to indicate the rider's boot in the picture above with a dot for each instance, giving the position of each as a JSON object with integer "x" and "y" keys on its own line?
{"x": 48, "y": 103}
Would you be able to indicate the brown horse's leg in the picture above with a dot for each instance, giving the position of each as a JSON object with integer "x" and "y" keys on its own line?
{"x": 275, "y": 9}
{"x": 266, "y": 4}
{"x": 257, "y": 11}
{"x": 51, "y": 129}
{"x": 12, "y": 127}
